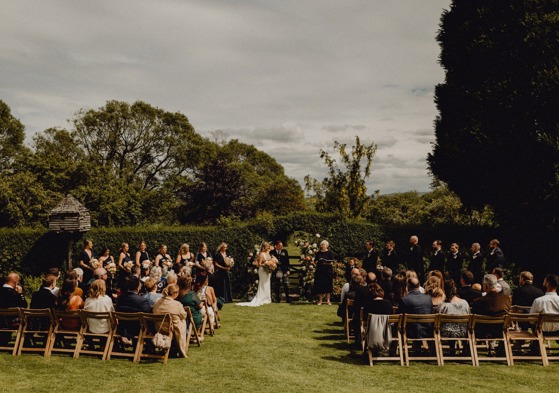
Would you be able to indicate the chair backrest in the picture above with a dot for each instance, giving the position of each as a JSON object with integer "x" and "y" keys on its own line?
{"x": 152, "y": 323}
{"x": 515, "y": 318}
{"x": 37, "y": 319}
{"x": 98, "y": 315}
{"x": 520, "y": 309}
{"x": 8, "y": 317}
{"x": 551, "y": 318}
{"x": 420, "y": 318}
{"x": 64, "y": 318}
{"x": 488, "y": 320}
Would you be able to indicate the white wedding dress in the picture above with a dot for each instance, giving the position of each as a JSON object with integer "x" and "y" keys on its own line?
{"x": 264, "y": 292}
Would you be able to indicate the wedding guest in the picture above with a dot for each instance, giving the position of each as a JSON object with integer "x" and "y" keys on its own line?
{"x": 151, "y": 288}
{"x": 98, "y": 301}
{"x": 438, "y": 259}
{"x": 324, "y": 275}
{"x": 11, "y": 295}
{"x": 44, "y": 297}
{"x": 455, "y": 306}
{"x": 467, "y": 292}
{"x": 548, "y": 304}
{"x": 81, "y": 288}
{"x": 371, "y": 257}
{"x": 56, "y": 272}
{"x": 505, "y": 287}
{"x": 189, "y": 298}
{"x": 348, "y": 292}
{"x": 169, "y": 304}
{"x": 415, "y": 258}
{"x": 124, "y": 270}
{"x": 142, "y": 254}
{"x": 130, "y": 301}
{"x": 85, "y": 260}
{"x": 475, "y": 263}
{"x": 399, "y": 288}
{"x": 493, "y": 304}
{"x": 455, "y": 261}
{"x": 496, "y": 258}
{"x": 222, "y": 280}
{"x": 386, "y": 283}
{"x": 372, "y": 303}
{"x": 526, "y": 293}
{"x": 390, "y": 256}
{"x": 106, "y": 260}
{"x": 206, "y": 295}
{"x": 416, "y": 302}
{"x": 69, "y": 301}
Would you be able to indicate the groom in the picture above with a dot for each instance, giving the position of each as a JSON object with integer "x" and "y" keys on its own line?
{"x": 281, "y": 276}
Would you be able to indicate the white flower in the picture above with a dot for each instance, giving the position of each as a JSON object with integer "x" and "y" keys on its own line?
{"x": 303, "y": 268}
{"x": 318, "y": 235}
{"x": 256, "y": 271}
{"x": 251, "y": 255}
{"x": 314, "y": 245}
{"x": 256, "y": 282}
{"x": 311, "y": 252}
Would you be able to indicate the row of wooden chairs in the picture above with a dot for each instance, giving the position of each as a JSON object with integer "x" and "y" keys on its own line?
{"x": 515, "y": 342}
{"x": 47, "y": 331}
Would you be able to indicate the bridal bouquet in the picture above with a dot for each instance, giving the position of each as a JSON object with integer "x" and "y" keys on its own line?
{"x": 208, "y": 264}
{"x": 270, "y": 265}
{"x": 229, "y": 261}
{"x": 128, "y": 265}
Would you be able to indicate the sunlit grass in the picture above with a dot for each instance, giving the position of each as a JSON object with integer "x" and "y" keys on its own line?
{"x": 273, "y": 348}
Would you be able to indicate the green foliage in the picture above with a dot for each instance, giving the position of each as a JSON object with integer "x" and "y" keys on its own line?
{"x": 12, "y": 135}
{"x": 344, "y": 191}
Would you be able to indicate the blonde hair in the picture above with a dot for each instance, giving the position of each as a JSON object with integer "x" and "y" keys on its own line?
{"x": 221, "y": 245}
{"x": 170, "y": 290}
{"x": 150, "y": 284}
{"x": 97, "y": 289}
{"x": 172, "y": 278}
{"x": 183, "y": 248}
{"x": 264, "y": 245}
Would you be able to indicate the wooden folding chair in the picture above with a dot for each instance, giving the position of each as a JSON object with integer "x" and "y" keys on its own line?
{"x": 123, "y": 321}
{"x": 10, "y": 323}
{"x": 500, "y": 324}
{"x": 37, "y": 333}
{"x": 465, "y": 322}
{"x": 192, "y": 332}
{"x": 347, "y": 321}
{"x": 409, "y": 319}
{"x": 395, "y": 324}
{"x": 150, "y": 325}
{"x": 552, "y": 352}
{"x": 209, "y": 325}
{"x": 89, "y": 341}
{"x": 515, "y": 335}
{"x": 66, "y": 337}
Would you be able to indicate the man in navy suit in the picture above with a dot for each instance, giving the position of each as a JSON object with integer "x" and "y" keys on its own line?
{"x": 131, "y": 301}
{"x": 416, "y": 302}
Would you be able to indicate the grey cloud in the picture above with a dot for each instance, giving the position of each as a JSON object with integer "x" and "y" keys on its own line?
{"x": 346, "y": 127}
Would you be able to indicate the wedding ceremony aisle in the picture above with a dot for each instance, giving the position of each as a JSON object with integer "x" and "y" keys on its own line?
{"x": 272, "y": 348}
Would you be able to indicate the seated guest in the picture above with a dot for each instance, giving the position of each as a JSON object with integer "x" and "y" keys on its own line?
{"x": 436, "y": 273}
{"x": 526, "y": 293}
{"x": 398, "y": 288}
{"x": 493, "y": 304}
{"x": 410, "y": 274}
{"x": 189, "y": 298}
{"x": 151, "y": 288}
{"x": 69, "y": 301}
{"x": 548, "y": 304}
{"x": 372, "y": 303}
{"x": 206, "y": 295}
{"x": 56, "y": 272}
{"x": 168, "y": 304}
{"x": 477, "y": 287}
{"x": 44, "y": 297}
{"x": 416, "y": 302}
{"x": 79, "y": 274}
{"x": 437, "y": 295}
{"x": 98, "y": 301}
{"x": 348, "y": 292}
{"x": 11, "y": 293}
{"x": 386, "y": 283}
{"x": 131, "y": 301}
{"x": 467, "y": 292}
{"x": 455, "y": 306}
{"x": 505, "y": 287}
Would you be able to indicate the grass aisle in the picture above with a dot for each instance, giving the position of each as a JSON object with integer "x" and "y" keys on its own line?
{"x": 273, "y": 348}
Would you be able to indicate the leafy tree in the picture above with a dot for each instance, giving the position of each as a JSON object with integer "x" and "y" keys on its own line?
{"x": 12, "y": 135}
{"x": 344, "y": 191}
{"x": 497, "y": 133}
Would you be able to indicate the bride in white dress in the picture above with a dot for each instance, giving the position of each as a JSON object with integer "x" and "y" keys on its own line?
{"x": 264, "y": 292}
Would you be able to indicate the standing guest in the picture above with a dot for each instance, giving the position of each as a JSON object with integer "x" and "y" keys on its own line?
{"x": 324, "y": 275}
{"x": 415, "y": 258}
{"x": 190, "y": 299}
{"x": 98, "y": 301}
{"x": 467, "y": 292}
{"x": 184, "y": 258}
{"x": 123, "y": 269}
{"x": 44, "y": 297}
{"x": 390, "y": 257}
{"x": 493, "y": 304}
{"x": 169, "y": 305}
{"x": 526, "y": 293}
{"x": 85, "y": 260}
{"x": 131, "y": 301}
{"x": 222, "y": 279}
{"x": 204, "y": 260}
{"x": 386, "y": 283}
{"x": 438, "y": 259}
{"x": 142, "y": 254}
{"x": 416, "y": 302}
{"x": 151, "y": 291}
{"x": 455, "y": 261}
{"x": 496, "y": 258}
{"x": 371, "y": 257}
{"x": 69, "y": 301}
{"x": 505, "y": 287}
{"x": 475, "y": 263}
{"x": 548, "y": 304}
{"x": 281, "y": 276}
{"x": 106, "y": 259}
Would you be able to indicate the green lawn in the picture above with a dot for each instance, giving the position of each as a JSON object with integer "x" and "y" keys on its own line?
{"x": 273, "y": 348}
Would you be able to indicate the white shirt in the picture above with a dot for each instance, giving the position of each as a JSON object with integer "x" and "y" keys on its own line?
{"x": 345, "y": 290}
{"x": 547, "y": 304}
{"x": 100, "y": 304}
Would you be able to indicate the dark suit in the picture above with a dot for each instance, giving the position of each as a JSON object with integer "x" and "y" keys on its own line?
{"x": 416, "y": 302}
{"x": 438, "y": 261}
{"x": 43, "y": 298}
{"x": 496, "y": 258}
{"x": 391, "y": 259}
{"x": 469, "y": 294}
{"x": 454, "y": 263}
{"x": 283, "y": 258}
{"x": 525, "y": 295}
{"x": 415, "y": 261}
{"x": 386, "y": 286}
{"x": 493, "y": 304}
{"x": 131, "y": 302}
{"x": 9, "y": 298}
{"x": 370, "y": 261}
{"x": 475, "y": 265}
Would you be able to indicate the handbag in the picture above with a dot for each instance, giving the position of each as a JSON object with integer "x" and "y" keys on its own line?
{"x": 162, "y": 341}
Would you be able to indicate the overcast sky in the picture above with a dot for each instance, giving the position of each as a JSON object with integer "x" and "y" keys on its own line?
{"x": 289, "y": 76}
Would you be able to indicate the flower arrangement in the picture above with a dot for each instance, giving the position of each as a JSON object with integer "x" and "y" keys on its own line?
{"x": 95, "y": 264}
{"x": 306, "y": 278}
{"x": 229, "y": 261}
{"x": 111, "y": 268}
{"x": 208, "y": 264}
{"x": 252, "y": 271}
{"x": 146, "y": 265}
{"x": 128, "y": 265}
{"x": 167, "y": 263}
{"x": 270, "y": 265}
